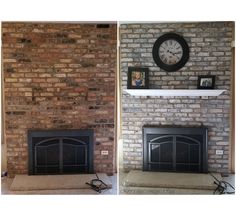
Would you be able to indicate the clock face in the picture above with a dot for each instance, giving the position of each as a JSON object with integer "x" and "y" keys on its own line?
{"x": 170, "y": 52}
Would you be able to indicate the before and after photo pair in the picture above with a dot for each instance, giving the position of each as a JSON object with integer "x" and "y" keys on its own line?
{"x": 118, "y": 108}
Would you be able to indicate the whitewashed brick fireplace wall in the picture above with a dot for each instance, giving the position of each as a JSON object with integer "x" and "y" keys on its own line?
{"x": 210, "y": 54}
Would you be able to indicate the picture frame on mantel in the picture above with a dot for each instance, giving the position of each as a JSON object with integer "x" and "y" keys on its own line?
{"x": 138, "y": 78}
{"x": 206, "y": 82}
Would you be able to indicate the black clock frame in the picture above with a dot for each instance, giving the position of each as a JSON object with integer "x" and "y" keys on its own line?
{"x": 181, "y": 41}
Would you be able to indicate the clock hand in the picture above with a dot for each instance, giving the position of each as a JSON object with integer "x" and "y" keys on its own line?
{"x": 172, "y": 53}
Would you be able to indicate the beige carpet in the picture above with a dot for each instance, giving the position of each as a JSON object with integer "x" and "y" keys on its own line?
{"x": 136, "y": 178}
{"x": 55, "y": 182}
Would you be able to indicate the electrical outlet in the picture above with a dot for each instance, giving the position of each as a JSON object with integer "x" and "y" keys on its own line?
{"x": 219, "y": 152}
{"x": 104, "y": 152}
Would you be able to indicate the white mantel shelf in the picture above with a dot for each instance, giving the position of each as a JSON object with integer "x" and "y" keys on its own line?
{"x": 173, "y": 92}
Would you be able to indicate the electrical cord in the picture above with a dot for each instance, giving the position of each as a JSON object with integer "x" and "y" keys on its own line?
{"x": 222, "y": 186}
{"x": 97, "y": 184}
{"x": 3, "y": 174}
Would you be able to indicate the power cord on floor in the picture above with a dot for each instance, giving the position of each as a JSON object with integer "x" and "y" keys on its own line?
{"x": 97, "y": 184}
{"x": 3, "y": 174}
{"x": 222, "y": 186}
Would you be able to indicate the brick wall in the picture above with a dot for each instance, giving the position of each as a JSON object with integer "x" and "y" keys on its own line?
{"x": 210, "y": 54}
{"x": 58, "y": 76}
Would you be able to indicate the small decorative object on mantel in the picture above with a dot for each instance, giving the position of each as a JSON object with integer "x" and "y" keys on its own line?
{"x": 170, "y": 52}
{"x": 138, "y": 78}
{"x": 206, "y": 82}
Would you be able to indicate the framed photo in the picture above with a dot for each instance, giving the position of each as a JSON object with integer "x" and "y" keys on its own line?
{"x": 206, "y": 82}
{"x": 138, "y": 78}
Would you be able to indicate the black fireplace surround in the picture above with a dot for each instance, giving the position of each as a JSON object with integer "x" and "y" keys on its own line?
{"x": 175, "y": 149}
{"x": 60, "y": 151}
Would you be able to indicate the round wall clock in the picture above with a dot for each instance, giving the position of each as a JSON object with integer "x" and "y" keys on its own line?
{"x": 170, "y": 52}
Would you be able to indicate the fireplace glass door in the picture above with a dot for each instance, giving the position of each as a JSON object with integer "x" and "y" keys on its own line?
{"x": 178, "y": 150}
{"x": 60, "y": 152}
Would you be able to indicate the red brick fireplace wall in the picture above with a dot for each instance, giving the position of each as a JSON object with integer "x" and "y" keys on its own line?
{"x": 58, "y": 76}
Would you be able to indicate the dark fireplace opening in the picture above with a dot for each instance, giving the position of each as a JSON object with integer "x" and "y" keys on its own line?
{"x": 60, "y": 151}
{"x": 175, "y": 149}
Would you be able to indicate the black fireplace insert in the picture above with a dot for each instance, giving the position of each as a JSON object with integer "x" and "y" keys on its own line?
{"x": 60, "y": 151}
{"x": 175, "y": 149}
